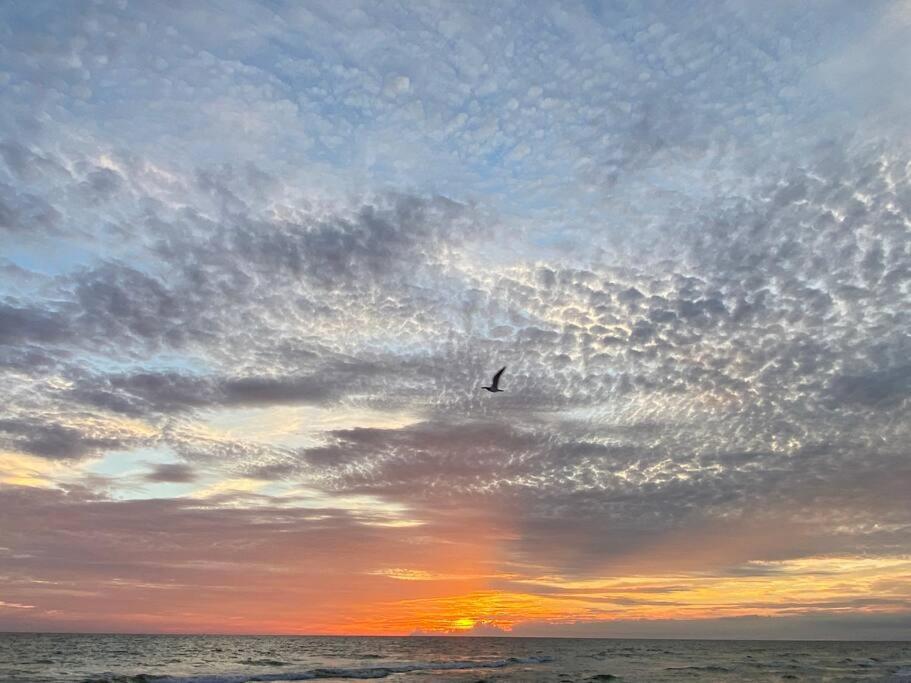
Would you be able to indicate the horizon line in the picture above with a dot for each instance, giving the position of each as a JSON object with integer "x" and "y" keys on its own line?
{"x": 445, "y": 635}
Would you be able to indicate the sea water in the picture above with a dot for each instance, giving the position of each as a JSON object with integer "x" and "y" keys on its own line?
{"x": 53, "y": 658}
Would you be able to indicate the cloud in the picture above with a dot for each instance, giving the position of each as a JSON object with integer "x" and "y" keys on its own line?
{"x": 55, "y": 441}
{"x": 272, "y": 390}
{"x": 825, "y": 627}
{"x": 685, "y": 234}
{"x": 178, "y": 473}
{"x": 882, "y": 388}
{"x": 168, "y": 392}
{"x": 141, "y": 548}
{"x": 22, "y": 325}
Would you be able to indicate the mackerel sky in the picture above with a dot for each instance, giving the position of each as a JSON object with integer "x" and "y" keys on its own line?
{"x": 256, "y": 260}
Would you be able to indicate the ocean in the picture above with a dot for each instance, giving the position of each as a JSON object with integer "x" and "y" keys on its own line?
{"x": 54, "y": 658}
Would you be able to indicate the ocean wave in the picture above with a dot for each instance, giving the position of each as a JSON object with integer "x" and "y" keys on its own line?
{"x": 361, "y": 673}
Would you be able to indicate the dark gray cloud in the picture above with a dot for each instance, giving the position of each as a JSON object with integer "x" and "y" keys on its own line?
{"x": 121, "y": 305}
{"x": 272, "y": 390}
{"x": 885, "y": 388}
{"x": 144, "y": 392}
{"x": 23, "y": 325}
{"x": 178, "y": 473}
{"x": 149, "y": 393}
{"x": 21, "y": 212}
{"x": 54, "y": 441}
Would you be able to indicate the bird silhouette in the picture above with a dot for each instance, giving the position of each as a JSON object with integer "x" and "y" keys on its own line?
{"x": 495, "y": 384}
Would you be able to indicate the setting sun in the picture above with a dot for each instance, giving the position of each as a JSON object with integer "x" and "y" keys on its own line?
{"x": 462, "y": 624}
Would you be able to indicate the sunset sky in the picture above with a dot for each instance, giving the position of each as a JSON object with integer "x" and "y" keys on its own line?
{"x": 257, "y": 260}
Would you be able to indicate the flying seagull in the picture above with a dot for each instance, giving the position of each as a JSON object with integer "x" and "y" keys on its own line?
{"x": 495, "y": 385}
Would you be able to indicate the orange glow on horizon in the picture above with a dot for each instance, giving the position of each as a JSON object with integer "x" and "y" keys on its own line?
{"x": 806, "y": 586}
{"x": 457, "y": 579}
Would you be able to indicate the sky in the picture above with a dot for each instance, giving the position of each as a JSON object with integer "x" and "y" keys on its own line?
{"x": 257, "y": 260}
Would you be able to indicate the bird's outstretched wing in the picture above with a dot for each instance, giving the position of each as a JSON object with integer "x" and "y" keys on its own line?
{"x": 496, "y": 378}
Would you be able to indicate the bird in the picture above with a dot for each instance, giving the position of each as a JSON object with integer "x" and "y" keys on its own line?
{"x": 495, "y": 384}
